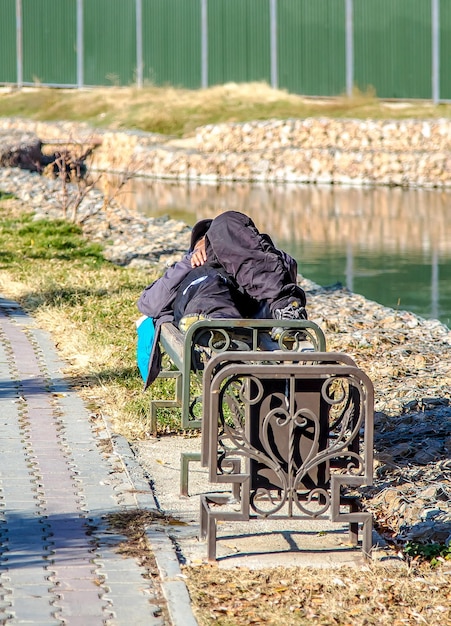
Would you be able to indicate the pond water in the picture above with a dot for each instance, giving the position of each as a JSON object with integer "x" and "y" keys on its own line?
{"x": 391, "y": 245}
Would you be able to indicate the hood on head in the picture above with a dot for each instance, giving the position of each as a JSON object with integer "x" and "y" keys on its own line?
{"x": 199, "y": 230}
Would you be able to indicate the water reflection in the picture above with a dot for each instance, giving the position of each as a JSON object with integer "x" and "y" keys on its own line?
{"x": 392, "y": 245}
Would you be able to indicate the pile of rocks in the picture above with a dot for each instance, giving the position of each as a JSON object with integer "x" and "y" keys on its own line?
{"x": 313, "y": 150}
{"x": 406, "y": 357}
{"x": 329, "y": 133}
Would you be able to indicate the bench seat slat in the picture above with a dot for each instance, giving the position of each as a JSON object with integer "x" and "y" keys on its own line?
{"x": 238, "y": 334}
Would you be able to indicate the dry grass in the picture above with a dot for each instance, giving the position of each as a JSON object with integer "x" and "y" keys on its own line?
{"x": 180, "y": 111}
{"x": 377, "y": 595}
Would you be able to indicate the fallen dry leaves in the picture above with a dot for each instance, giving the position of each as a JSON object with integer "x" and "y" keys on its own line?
{"x": 377, "y": 595}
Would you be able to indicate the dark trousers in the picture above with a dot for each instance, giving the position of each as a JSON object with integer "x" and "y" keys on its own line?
{"x": 252, "y": 260}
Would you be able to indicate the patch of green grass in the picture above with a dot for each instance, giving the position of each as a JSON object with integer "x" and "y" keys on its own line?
{"x": 431, "y": 552}
{"x": 68, "y": 285}
{"x": 41, "y": 239}
{"x": 4, "y": 195}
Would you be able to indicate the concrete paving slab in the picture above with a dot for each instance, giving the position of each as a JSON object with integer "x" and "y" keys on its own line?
{"x": 57, "y": 489}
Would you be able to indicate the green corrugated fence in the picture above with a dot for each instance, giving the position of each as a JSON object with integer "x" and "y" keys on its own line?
{"x": 8, "y": 46}
{"x": 397, "y": 48}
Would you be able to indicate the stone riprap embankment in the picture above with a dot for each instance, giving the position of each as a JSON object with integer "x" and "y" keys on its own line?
{"x": 312, "y": 150}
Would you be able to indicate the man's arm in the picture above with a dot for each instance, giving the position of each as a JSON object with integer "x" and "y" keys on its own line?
{"x": 158, "y": 298}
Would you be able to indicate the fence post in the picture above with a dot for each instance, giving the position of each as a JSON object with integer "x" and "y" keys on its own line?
{"x": 139, "y": 44}
{"x": 204, "y": 44}
{"x": 80, "y": 49}
{"x": 349, "y": 38}
{"x": 273, "y": 44}
{"x": 435, "y": 18}
{"x": 19, "y": 46}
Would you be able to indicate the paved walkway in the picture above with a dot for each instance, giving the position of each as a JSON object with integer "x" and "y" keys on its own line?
{"x": 59, "y": 558}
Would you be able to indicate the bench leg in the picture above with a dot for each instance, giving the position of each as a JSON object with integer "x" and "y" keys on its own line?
{"x": 353, "y": 526}
{"x": 163, "y": 404}
{"x": 367, "y": 542}
{"x": 211, "y": 538}
{"x": 185, "y": 459}
{"x": 208, "y": 528}
{"x": 203, "y": 518}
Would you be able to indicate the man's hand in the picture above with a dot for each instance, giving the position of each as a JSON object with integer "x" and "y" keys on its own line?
{"x": 199, "y": 255}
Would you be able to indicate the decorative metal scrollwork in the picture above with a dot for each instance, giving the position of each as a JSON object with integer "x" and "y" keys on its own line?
{"x": 288, "y": 446}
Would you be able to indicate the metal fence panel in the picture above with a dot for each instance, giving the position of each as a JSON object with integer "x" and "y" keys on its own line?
{"x": 109, "y": 28}
{"x": 400, "y": 48}
{"x": 49, "y": 42}
{"x": 8, "y": 72}
{"x": 238, "y": 41}
{"x": 393, "y": 47}
{"x": 172, "y": 42}
{"x": 445, "y": 49}
{"x": 311, "y": 47}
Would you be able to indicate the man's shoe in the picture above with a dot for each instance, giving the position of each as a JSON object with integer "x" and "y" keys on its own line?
{"x": 292, "y": 311}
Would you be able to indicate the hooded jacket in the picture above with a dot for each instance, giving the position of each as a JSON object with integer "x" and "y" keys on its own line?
{"x": 240, "y": 252}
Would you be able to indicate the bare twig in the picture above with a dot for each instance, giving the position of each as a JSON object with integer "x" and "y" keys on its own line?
{"x": 75, "y": 184}
{"x": 114, "y": 185}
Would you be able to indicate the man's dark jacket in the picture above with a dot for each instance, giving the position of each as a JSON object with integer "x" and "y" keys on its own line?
{"x": 243, "y": 257}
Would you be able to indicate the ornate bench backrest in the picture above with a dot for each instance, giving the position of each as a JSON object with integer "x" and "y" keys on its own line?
{"x": 289, "y": 430}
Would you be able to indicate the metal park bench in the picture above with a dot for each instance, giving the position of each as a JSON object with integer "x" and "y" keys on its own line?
{"x": 189, "y": 353}
{"x": 291, "y": 439}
